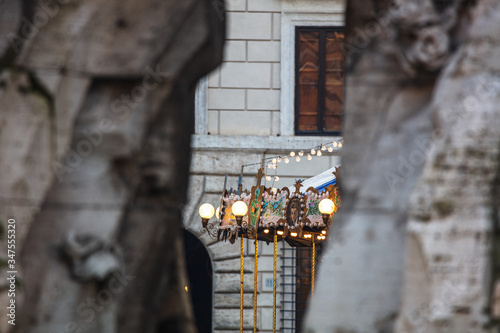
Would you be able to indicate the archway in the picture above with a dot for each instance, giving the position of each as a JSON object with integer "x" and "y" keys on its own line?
{"x": 200, "y": 277}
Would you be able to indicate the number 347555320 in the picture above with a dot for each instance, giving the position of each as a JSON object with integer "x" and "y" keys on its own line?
{"x": 11, "y": 242}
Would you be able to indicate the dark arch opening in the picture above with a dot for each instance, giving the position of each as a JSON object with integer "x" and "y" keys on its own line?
{"x": 199, "y": 271}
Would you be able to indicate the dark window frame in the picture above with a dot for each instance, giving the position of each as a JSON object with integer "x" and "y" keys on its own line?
{"x": 321, "y": 80}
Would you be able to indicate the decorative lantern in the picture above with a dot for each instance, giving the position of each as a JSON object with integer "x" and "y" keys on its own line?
{"x": 239, "y": 209}
{"x": 326, "y": 208}
{"x": 206, "y": 212}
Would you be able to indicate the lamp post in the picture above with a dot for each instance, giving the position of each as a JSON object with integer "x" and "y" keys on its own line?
{"x": 239, "y": 209}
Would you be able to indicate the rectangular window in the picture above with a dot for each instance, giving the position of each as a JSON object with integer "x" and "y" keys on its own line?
{"x": 319, "y": 80}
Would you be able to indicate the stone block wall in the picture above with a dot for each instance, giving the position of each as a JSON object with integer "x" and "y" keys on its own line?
{"x": 244, "y": 93}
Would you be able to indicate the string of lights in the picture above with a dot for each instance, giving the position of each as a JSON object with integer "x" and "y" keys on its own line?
{"x": 317, "y": 150}
{"x": 272, "y": 162}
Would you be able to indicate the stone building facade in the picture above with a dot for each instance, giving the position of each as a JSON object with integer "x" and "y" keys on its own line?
{"x": 244, "y": 113}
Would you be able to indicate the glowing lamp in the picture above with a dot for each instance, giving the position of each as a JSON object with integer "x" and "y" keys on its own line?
{"x": 239, "y": 209}
{"x": 206, "y": 212}
{"x": 280, "y": 232}
{"x": 326, "y": 207}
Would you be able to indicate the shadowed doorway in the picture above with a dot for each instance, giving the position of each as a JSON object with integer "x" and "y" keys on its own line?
{"x": 199, "y": 271}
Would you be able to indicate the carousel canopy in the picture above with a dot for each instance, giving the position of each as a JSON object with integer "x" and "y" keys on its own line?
{"x": 319, "y": 181}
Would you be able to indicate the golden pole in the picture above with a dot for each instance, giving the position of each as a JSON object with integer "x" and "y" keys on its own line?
{"x": 313, "y": 266}
{"x": 255, "y": 286}
{"x": 274, "y": 279}
{"x": 241, "y": 287}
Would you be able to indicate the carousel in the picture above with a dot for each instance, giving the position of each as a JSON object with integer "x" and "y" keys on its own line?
{"x": 300, "y": 215}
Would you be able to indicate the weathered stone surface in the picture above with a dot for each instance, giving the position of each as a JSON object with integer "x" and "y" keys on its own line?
{"x": 266, "y": 299}
{"x": 215, "y": 183}
{"x": 230, "y": 282}
{"x": 242, "y": 26}
{"x": 28, "y": 148}
{"x": 451, "y": 224}
{"x": 232, "y": 300}
{"x": 61, "y": 37}
{"x": 246, "y": 75}
{"x": 230, "y": 319}
{"x": 10, "y": 19}
{"x": 226, "y": 250}
{"x": 266, "y": 319}
{"x": 420, "y": 162}
{"x": 266, "y": 263}
{"x": 233, "y": 265}
{"x": 191, "y": 218}
{"x": 97, "y": 103}
{"x": 245, "y": 122}
{"x": 219, "y": 165}
{"x": 226, "y": 99}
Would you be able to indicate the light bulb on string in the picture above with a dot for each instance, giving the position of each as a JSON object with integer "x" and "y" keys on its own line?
{"x": 292, "y": 154}
{"x": 323, "y": 147}
{"x": 274, "y": 160}
{"x": 287, "y": 160}
{"x": 268, "y": 178}
{"x": 319, "y": 153}
{"x": 313, "y": 151}
{"x": 278, "y": 159}
{"x": 334, "y": 143}
{"x": 340, "y": 144}
{"x": 330, "y": 149}
{"x": 309, "y": 157}
{"x": 301, "y": 153}
{"x": 276, "y": 178}
{"x": 297, "y": 159}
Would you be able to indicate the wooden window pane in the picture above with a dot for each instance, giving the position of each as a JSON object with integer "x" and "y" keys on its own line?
{"x": 334, "y": 81}
{"x": 308, "y": 80}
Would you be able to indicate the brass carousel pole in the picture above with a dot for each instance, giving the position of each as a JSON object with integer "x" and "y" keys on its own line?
{"x": 313, "y": 270}
{"x": 240, "y": 186}
{"x": 255, "y": 286}
{"x": 274, "y": 279}
{"x": 241, "y": 286}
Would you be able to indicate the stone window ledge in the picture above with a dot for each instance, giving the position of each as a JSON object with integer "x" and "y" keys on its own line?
{"x": 263, "y": 144}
